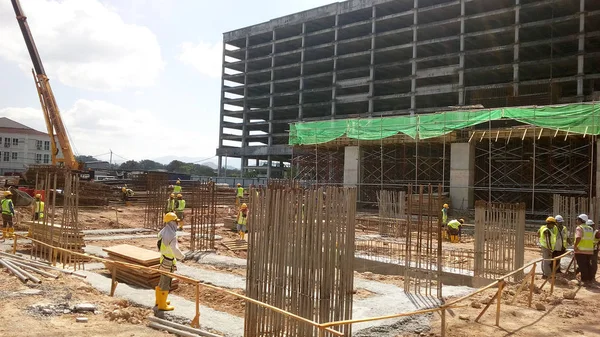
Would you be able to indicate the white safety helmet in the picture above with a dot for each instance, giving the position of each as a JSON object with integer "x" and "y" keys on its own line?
{"x": 583, "y": 217}
{"x": 590, "y": 222}
{"x": 559, "y": 218}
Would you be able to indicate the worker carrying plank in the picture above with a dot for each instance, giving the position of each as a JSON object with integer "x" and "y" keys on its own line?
{"x": 8, "y": 211}
{"x": 179, "y": 207}
{"x": 454, "y": 228}
{"x": 169, "y": 254}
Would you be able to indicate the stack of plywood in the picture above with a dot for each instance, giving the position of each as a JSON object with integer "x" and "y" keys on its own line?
{"x": 143, "y": 257}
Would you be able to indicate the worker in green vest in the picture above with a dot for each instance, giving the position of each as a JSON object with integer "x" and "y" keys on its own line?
{"x": 169, "y": 254}
{"x": 177, "y": 187}
{"x": 8, "y": 211}
{"x": 453, "y": 229}
{"x": 445, "y": 208}
{"x": 170, "y": 207}
{"x": 239, "y": 195}
{"x": 547, "y": 241}
{"x": 179, "y": 207}
{"x": 584, "y": 248}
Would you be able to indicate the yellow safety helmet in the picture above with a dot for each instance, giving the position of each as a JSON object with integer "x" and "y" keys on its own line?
{"x": 445, "y": 206}
{"x": 169, "y": 217}
{"x": 7, "y": 193}
{"x": 244, "y": 206}
{"x": 38, "y": 196}
{"x": 550, "y": 219}
{"x": 179, "y": 196}
{"x": 462, "y": 221}
{"x": 238, "y": 185}
{"x": 178, "y": 182}
{"x": 172, "y": 195}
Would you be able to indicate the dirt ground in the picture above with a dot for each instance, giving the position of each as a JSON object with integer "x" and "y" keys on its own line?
{"x": 21, "y": 316}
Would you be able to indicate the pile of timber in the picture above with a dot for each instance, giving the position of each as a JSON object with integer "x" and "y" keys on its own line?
{"x": 139, "y": 256}
{"x": 24, "y": 269}
{"x": 52, "y": 234}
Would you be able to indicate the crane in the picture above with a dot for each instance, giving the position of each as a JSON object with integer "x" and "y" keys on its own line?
{"x": 54, "y": 122}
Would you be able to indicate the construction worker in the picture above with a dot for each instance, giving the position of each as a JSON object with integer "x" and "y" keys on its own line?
{"x": 8, "y": 211}
{"x": 584, "y": 248}
{"x": 239, "y": 194}
{"x": 454, "y": 228}
{"x": 547, "y": 241}
{"x": 560, "y": 246}
{"x": 179, "y": 207}
{"x": 38, "y": 208}
{"x": 170, "y": 207}
{"x": 124, "y": 193}
{"x": 177, "y": 187}
{"x": 594, "y": 268}
{"x": 169, "y": 253}
{"x": 242, "y": 221}
{"x": 445, "y": 208}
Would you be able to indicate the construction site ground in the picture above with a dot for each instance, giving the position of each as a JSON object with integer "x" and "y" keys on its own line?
{"x": 223, "y": 313}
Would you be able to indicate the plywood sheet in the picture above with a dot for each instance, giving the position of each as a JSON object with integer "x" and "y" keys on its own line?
{"x": 144, "y": 257}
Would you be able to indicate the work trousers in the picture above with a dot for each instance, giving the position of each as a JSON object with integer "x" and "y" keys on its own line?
{"x": 164, "y": 283}
{"x": 584, "y": 261}
{"x": 594, "y": 268}
{"x": 546, "y": 265}
{"x": 7, "y": 220}
{"x": 555, "y": 254}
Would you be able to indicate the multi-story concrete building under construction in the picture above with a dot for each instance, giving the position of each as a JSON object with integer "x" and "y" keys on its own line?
{"x": 358, "y": 63}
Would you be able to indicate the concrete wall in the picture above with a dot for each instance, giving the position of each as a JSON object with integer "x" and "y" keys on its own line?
{"x": 462, "y": 175}
{"x": 352, "y": 175}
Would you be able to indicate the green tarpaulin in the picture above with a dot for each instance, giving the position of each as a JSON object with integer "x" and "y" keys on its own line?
{"x": 574, "y": 118}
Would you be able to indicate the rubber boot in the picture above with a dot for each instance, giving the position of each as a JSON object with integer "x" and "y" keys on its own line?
{"x": 156, "y": 295}
{"x": 11, "y": 232}
{"x": 162, "y": 301}
{"x": 4, "y": 232}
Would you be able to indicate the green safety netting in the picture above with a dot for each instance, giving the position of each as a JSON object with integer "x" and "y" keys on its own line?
{"x": 574, "y": 118}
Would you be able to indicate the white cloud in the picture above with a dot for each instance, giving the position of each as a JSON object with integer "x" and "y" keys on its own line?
{"x": 205, "y": 57}
{"x": 83, "y": 44}
{"x": 96, "y": 126}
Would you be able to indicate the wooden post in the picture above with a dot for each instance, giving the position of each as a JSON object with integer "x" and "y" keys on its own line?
{"x": 519, "y": 290}
{"x": 14, "y": 243}
{"x": 443, "y": 322}
{"x": 196, "y": 320}
{"x": 553, "y": 276}
{"x": 499, "y": 301}
{"x": 54, "y": 253}
{"x": 531, "y": 285}
{"x": 487, "y": 305}
{"x": 113, "y": 284}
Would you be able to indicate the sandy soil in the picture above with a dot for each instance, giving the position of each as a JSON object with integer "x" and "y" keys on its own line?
{"x": 19, "y": 317}
{"x": 214, "y": 299}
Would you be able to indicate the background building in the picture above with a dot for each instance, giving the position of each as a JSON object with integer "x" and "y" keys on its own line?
{"x": 21, "y": 146}
{"x": 368, "y": 59}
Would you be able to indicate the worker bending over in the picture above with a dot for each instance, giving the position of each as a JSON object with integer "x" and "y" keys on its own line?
{"x": 169, "y": 253}
{"x": 454, "y": 228}
{"x": 584, "y": 248}
{"x": 124, "y": 195}
{"x": 170, "y": 207}
{"x": 177, "y": 187}
{"x": 8, "y": 211}
{"x": 239, "y": 194}
{"x": 560, "y": 246}
{"x": 242, "y": 221}
{"x": 179, "y": 207}
{"x": 547, "y": 241}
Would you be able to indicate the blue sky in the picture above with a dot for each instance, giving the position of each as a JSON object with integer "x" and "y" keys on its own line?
{"x": 140, "y": 77}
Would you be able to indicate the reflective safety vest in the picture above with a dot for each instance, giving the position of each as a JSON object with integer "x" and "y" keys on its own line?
{"x": 170, "y": 205}
{"x": 180, "y": 205}
{"x": 564, "y": 234}
{"x": 542, "y": 231}
{"x": 444, "y": 215}
{"x": 454, "y": 224}
{"x": 166, "y": 251}
{"x": 241, "y": 220}
{"x": 240, "y": 192}
{"x": 177, "y": 189}
{"x": 39, "y": 209}
{"x": 7, "y": 207}
{"x": 587, "y": 239}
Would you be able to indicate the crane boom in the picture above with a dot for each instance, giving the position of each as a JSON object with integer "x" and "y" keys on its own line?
{"x": 54, "y": 122}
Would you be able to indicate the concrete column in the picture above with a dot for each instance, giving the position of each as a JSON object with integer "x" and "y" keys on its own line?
{"x": 413, "y": 81}
{"x": 352, "y": 161}
{"x": 334, "y": 79}
{"x": 219, "y": 166}
{"x": 245, "y": 118}
{"x": 462, "y": 175}
{"x": 271, "y": 91}
{"x": 461, "y": 71}
{"x": 301, "y": 87}
{"x": 269, "y": 163}
{"x": 372, "y": 68}
{"x": 516, "y": 48}
{"x": 580, "y": 59}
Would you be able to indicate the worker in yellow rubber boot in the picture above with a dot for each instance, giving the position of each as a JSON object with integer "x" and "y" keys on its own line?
{"x": 453, "y": 228}
{"x": 8, "y": 211}
{"x": 445, "y": 208}
{"x": 169, "y": 254}
{"x": 170, "y": 207}
{"x": 239, "y": 194}
{"x": 177, "y": 187}
{"x": 179, "y": 207}
{"x": 242, "y": 221}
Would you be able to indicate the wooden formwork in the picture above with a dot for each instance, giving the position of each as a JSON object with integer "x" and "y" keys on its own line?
{"x": 204, "y": 216}
{"x": 499, "y": 239}
{"x": 300, "y": 259}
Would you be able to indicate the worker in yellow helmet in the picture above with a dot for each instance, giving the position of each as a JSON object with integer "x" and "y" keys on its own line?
{"x": 38, "y": 210}
{"x": 124, "y": 193}
{"x": 170, "y": 207}
{"x": 242, "y": 221}
{"x": 177, "y": 187}
{"x": 179, "y": 207}
{"x": 453, "y": 229}
{"x": 547, "y": 241}
{"x": 169, "y": 254}
{"x": 239, "y": 194}
{"x": 445, "y": 208}
{"x": 8, "y": 211}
